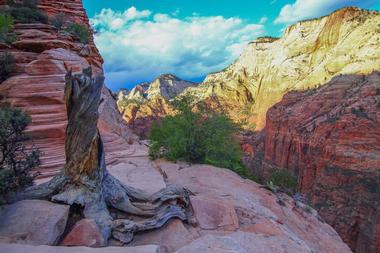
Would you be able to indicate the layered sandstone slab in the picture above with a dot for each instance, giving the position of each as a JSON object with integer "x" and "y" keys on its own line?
{"x": 43, "y": 56}
{"x": 330, "y": 137}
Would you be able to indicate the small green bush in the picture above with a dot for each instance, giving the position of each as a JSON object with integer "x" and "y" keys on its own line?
{"x": 284, "y": 180}
{"x": 79, "y": 31}
{"x": 26, "y": 12}
{"x": 58, "y": 21}
{"x": 16, "y": 162}
{"x": 7, "y": 64}
{"x": 201, "y": 136}
{"x": 6, "y": 26}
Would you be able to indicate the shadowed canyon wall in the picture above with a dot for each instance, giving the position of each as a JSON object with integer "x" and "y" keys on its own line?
{"x": 330, "y": 138}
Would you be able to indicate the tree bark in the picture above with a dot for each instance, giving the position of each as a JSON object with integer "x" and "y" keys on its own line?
{"x": 85, "y": 180}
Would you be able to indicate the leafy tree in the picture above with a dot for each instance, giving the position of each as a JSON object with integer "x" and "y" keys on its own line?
{"x": 7, "y": 63}
{"x": 79, "y": 31}
{"x": 16, "y": 161}
{"x": 198, "y": 136}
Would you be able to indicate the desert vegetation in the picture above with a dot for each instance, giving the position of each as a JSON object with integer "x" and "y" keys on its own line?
{"x": 198, "y": 136}
{"x": 25, "y": 12}
{"x": 7, "y": 64}
{"x": 6, "y": 27}
{"x": 16, "y": 160}
{"x": 80, "y": 32}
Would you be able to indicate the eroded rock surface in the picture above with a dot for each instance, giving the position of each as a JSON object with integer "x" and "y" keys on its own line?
{"x": 234, "y": 214}
{"x": 330, "y": 138}
{"x": 43, "y": 55}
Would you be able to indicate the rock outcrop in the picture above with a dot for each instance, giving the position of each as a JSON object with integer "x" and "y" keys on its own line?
{"x": 148, "y": 102}
{"x": 43, "y": 55}
{"x": 330, "y": 138}
{"x": 231, "y": 213}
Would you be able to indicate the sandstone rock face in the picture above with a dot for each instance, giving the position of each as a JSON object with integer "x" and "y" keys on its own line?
{"x": 148, "y": 102}
{"x": 330, "y": 138}
{"x": 43, "y": 55}
{"x": 84, "y": 233}
{"x": 33, "y": 222}
{"x": 307, "y": 56}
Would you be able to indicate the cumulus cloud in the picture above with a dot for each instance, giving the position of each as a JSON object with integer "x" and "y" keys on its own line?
{"x": 140, "y": 45}
{"x": 304, "y": 9}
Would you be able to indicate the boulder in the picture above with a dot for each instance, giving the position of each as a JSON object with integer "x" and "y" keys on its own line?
{"x": 214, "y": 214}
{"x": 84, "y": 233}
{"x": 35, "y": 222}
{"x": 139, "y": 174}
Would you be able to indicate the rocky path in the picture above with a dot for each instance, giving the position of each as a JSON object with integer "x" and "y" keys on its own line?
{"x": 233, "y": 215}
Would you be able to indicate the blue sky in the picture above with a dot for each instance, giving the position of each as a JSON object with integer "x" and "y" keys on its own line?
{"x": 141, "y": 39}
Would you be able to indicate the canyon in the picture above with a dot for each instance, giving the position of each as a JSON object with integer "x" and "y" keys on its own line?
{"x": 307, "y": 56}
{"x": 329, "y": 137}
{"x": 313, "y": 98}
{"x": 313, "y": 93}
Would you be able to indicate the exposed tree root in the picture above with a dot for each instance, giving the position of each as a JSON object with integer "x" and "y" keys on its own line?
{"x": 120, "y": 211}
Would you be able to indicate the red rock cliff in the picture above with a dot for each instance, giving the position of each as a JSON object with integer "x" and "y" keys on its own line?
{"x": 330, "y": 137}
{"x": 43, "y": 55}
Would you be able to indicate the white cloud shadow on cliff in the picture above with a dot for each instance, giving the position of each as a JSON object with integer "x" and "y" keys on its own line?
{"x": 138, "y": 45}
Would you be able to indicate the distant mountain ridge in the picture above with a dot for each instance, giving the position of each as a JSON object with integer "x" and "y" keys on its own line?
{"x": 148, "y": 102}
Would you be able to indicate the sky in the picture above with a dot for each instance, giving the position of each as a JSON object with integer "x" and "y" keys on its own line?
{"x": 141, "y": 39}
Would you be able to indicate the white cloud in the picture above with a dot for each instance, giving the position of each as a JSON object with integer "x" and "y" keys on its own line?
{"x": 107, "y": 19}
{"x": 263, "y": 20}
{"x": 147, "y": 45}
{"x": 304, "y": 9}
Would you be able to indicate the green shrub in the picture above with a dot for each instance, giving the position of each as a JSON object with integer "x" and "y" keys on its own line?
{"x": 6, "y": 26}
{"x": 283, "y": 179}
{"x": 7, "y": 64}
{"x": 16, "y": 162}
{"x": 201, "y": 136}
{"x": 58, "y": 21}
{"x": 79, "y": 31}
{"x": 360, "y": 113}
{"x": 26, "y": 12}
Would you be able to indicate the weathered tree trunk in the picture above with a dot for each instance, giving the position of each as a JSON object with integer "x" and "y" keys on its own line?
{"x": 85, "y": 181}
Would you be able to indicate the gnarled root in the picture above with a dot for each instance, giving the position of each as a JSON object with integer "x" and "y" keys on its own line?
{"x": 144, "y": 212}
